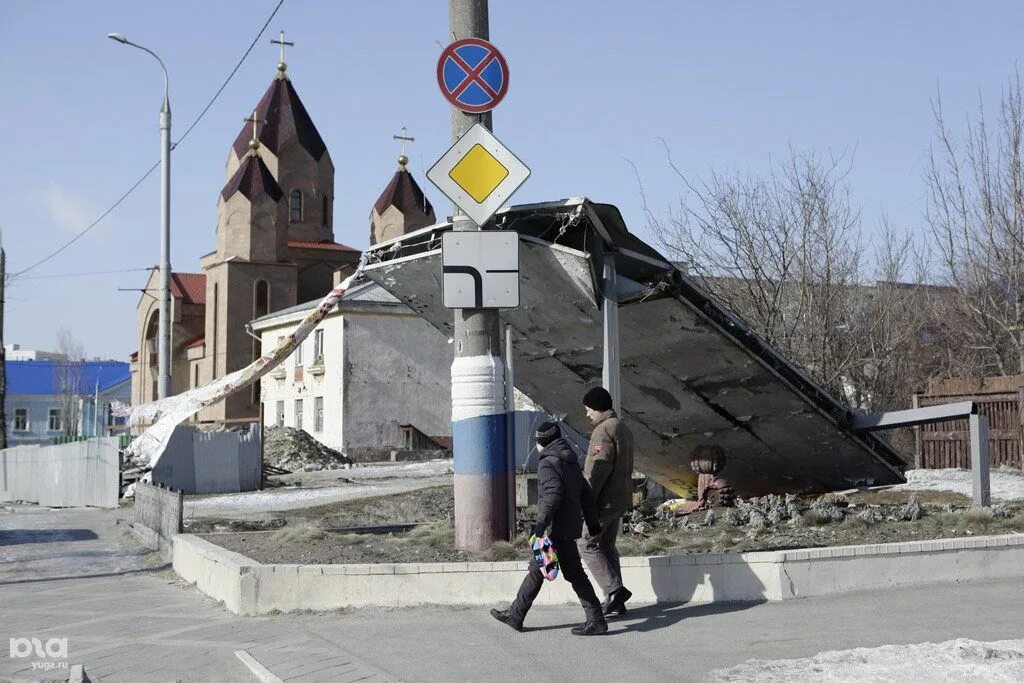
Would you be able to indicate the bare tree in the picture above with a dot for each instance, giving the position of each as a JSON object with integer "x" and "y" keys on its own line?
{"x": 68, "y": 380}
{"x": 975, "y": 190}
{"x": 784, "y": 251}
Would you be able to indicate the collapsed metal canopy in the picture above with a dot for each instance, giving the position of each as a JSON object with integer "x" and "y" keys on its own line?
{"x": 691, "y": 372}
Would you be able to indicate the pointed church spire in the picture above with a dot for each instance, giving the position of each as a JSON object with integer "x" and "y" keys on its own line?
{"x": 402, "y": 207}
{"x": 285, "y": 119}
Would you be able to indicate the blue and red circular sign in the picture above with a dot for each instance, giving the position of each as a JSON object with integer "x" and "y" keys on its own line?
{"x": 473, "y": 75}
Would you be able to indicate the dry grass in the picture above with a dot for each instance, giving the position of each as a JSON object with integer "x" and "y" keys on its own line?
{"x": 500, "y": 551}
{"x": 433, "y": 535}
{"x": 298, "y": 534}
{"x": 813, "y": 518}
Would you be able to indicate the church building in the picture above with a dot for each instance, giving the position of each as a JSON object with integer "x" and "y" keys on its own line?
{"x": 275, "y": 250}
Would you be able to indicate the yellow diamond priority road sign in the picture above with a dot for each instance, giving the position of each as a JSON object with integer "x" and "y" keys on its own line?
{"x": 478, "y": 174}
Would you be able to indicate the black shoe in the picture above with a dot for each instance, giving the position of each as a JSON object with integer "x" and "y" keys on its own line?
{"x": 593, "y": 627}
{"x": 505, "y": 617}
{"x": 616, "y": 603}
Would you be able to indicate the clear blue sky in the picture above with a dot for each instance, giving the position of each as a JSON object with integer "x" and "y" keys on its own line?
{"x": 727, "y": 84}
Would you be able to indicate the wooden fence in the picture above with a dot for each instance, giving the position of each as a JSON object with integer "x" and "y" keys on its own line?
{"x": 1000, "y": 399}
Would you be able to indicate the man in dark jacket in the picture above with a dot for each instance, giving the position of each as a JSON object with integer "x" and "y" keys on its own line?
{"x": 609, "y": 471}
{"x": 564, "y": 500}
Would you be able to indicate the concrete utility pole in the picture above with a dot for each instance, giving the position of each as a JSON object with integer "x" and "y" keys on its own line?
{"x": 478, "y": 376}
{"x": 164, "y": 333}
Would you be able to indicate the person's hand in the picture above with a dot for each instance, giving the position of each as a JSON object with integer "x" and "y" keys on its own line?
{"x": 538, "y": 530}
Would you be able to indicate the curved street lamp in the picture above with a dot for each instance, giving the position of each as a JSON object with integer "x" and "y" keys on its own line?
{"x": 164, "y": 340}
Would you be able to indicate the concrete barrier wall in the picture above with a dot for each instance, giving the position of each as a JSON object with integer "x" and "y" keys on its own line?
{"x": 211, "y": 462}
{"x": 83, "y": 473}
{"x": 157, "y": 516}
{"x": 250, "y": 588}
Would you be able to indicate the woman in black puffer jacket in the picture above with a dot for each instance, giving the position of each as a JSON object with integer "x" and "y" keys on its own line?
{"x": 564, "y": 501}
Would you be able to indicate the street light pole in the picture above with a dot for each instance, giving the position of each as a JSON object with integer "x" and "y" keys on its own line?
{"x": 164, "y": 338}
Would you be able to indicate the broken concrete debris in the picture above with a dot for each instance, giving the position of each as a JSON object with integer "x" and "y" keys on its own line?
{"x": 296, "y": 451}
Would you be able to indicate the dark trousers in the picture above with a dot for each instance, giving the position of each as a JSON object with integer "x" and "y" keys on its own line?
{"x": 601, "y": 554}
{"x": 571, "y": 569}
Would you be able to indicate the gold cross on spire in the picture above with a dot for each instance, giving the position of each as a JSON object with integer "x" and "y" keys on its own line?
{"x": 281, "y": 66}
{"x": 254, "y": 144}
{"x": 403, "y": 160}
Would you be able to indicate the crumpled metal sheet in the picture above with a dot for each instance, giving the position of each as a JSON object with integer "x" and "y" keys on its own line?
{"x": 687, "y": 377}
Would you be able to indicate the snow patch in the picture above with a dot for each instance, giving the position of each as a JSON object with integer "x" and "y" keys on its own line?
{"x": 1006, "y": 483}
{"x": 953, "y": 660}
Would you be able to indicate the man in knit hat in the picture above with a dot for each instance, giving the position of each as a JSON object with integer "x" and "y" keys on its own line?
{"x": 609, "y": 470}
{"x": 564, "y": 502}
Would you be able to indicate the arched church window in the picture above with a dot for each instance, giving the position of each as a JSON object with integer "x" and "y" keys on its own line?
{"x": 295, "y": 206}
{"x": 261, "y": 299}
{"x": 323, "y": 211}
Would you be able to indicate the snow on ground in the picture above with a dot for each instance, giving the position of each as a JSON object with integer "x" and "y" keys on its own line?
{"x": 954, "y": 660}
{"x": 1006, "y": 483}
{"x": 308, "y": 489}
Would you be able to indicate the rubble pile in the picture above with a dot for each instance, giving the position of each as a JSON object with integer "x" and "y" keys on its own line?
{"x": 788, "y": 511}
{"x": 296, "y": 451}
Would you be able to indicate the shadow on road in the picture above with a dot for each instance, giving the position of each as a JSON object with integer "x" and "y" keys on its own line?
{"x": 660, "y": 615}
{"x": 23, "y": 536}
{"x": 106, "y": 575}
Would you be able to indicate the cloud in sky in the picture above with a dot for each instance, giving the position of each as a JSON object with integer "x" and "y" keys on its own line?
{"x": 67, "y": 212}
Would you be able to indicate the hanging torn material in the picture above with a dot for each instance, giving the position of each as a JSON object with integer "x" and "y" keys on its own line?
{"x": 168, "y": 413}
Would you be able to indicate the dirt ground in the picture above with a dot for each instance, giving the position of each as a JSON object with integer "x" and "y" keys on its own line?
{"x": 318, "y": 535}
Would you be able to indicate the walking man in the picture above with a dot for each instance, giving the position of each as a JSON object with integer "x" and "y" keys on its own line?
{"x": 609, "y": 470}
{"x": 564, "y": 500}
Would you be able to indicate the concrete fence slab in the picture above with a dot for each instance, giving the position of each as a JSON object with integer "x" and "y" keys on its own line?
{"x": 78, "y": 474}
{"x": 250, "y": 588}
{"x": 199, "y": 462}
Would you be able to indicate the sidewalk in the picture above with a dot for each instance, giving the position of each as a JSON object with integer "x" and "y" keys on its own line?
{"x": 71, "y": 574}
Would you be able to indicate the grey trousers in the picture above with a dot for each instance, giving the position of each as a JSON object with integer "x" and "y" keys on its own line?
{"x": 600, "y": 554}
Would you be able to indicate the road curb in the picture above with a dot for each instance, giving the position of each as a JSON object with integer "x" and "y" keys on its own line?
{"x": 249, "y": 588}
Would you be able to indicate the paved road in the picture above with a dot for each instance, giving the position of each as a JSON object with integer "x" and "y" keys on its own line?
{"x": 71, "y": 574}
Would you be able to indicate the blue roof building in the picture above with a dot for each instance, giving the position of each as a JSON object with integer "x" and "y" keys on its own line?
{"x": 37, "y": 411}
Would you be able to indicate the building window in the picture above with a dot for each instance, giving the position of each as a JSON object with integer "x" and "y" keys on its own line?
{"x": 261, "y": 299}
{"x": 195, "y": 375}
{"x": 280, "y": 414}
{"x": 298, "y": 413}
{"x": 318, "y": 347}
{"x": 21, "y": 419}
{"x": 56, "y": 422}
{"x": 324, "y": 209}
{"x": 318, "y": 414}
{"x": 295, "y": 206}
{"x": 298, "y": 355}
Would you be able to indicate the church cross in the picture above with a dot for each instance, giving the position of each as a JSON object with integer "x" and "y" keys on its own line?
{"x": 403, "y": 160}
{"x": 254, "y": 120}
{"x": 282, "y": 42}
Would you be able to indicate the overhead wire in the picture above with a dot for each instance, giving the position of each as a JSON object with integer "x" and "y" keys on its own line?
{"x": 174, "y": 145}
{"x": 94, "y": 272}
